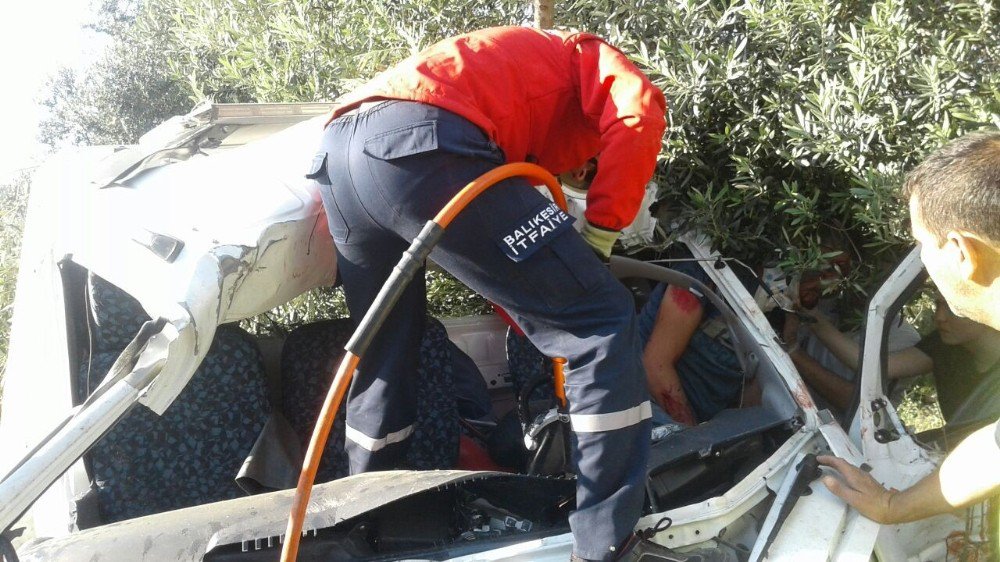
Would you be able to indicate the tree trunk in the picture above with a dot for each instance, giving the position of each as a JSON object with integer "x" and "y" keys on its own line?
{"x": 543, "y": 14}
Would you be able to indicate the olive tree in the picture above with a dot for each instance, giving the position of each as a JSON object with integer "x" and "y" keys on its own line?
{"x": 13, "y": 206}
{"x": 308, "y": 50}
{"x": 789, "y": 118}
{"x": 127, "y": 92}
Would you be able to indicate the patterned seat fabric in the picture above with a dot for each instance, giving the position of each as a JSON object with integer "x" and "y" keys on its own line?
{"x": 526, "y": 364}
{"x": 308, "y": 362}
{"x": 116, "y": 316}
{"x": 150, "y": 464}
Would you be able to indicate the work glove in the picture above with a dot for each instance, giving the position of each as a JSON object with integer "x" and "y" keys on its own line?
{"x": 600, "y": 239}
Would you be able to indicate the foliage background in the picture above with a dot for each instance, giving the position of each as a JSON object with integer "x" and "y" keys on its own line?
{"x": 13, "y": 205}
{"x": 789, "y": 119}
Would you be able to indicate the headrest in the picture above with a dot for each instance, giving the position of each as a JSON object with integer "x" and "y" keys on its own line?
{"x": 115, "y": 315}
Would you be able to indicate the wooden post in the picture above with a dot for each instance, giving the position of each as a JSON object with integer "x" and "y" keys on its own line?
{"x": 543, "y": 14}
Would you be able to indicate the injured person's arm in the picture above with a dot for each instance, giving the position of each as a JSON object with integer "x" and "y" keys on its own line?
{"x": 678, "y": 317}
{"x": 831, "y": 386}
{"x": 836, "y": 387}
{"x": 906, "y": 362}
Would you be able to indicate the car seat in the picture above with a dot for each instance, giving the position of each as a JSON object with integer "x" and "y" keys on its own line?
{"x": 308, "y": 362}
{"x": 191, "y": 454}
{"x": 527, "y": 365}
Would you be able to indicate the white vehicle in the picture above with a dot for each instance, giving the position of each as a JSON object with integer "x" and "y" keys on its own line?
{"x": 209, "y": 220}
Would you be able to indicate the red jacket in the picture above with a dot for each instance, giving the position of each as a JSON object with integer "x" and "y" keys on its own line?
{"x": 550, "y": 97}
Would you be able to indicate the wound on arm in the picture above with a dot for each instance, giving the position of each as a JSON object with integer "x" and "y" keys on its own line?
{"x": 676, "y": 408}
{"x": 684, "y": 300}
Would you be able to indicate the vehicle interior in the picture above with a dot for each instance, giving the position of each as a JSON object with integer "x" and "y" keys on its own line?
{"x": 243, "y": 404}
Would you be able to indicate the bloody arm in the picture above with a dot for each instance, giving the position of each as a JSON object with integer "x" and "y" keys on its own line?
{"x": 677, "y": 319}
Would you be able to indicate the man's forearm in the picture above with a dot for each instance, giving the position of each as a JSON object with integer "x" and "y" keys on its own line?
{"x": 670, "y": 394}
{"x": 921, "y": 500}
{"x": 968, "y": 475}
{"x": 843, "y": 347}
{"x": 971, "y": 472}
{"x": 835, "y": 389}
{"x": 677, "y": 319}
{"x": 903, "y": 363}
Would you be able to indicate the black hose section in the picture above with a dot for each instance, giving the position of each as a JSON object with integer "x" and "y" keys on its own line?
{"x": 472, "y": 429}
{"x": 7, "y": 552}
{"x": 547, "y": 438}
{"x": 567, "y": 443}
{"x": 412, "y": 261}
{"x": 523, "y": 399}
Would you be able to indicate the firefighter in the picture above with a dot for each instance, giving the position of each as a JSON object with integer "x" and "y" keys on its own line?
{"x": 397, "y": 149}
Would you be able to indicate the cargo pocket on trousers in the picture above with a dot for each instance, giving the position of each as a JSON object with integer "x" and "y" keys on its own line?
{"x": 459, "y": 137}
{"x": 406, "y": 141}
{"x": 564, "y": 271}
{"x": 317, "y": 169}
{"x": 334, "y": 217}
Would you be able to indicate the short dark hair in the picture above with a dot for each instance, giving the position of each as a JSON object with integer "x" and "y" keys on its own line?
{"x": 958, "y": 187}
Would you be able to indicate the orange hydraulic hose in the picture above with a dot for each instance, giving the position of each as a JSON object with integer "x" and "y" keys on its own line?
{"x": 558, "y": 364}
{"x": 296, "y": 519}
{"x": 485, "y": 181}
{"x": 345, "y": 371}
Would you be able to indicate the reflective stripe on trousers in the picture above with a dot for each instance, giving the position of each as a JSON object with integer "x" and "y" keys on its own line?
{"x": 591, "y": 423}
{"x": 373, "y": 444}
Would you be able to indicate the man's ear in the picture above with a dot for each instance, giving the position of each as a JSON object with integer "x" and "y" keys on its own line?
{"x": 975, "y": 259}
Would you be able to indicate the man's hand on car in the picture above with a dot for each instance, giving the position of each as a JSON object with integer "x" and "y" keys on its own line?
{"x": 859, "y": 489}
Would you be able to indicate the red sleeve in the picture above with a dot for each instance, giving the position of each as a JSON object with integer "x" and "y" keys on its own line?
{"x": 629, "y": 112}
{"x": 506, "y": 318}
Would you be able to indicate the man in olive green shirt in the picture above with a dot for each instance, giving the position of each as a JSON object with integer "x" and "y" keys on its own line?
{"x": 954, "y": 200}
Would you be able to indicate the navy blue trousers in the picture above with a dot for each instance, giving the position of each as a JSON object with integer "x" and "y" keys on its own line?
{"x": 392, "y": 168}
